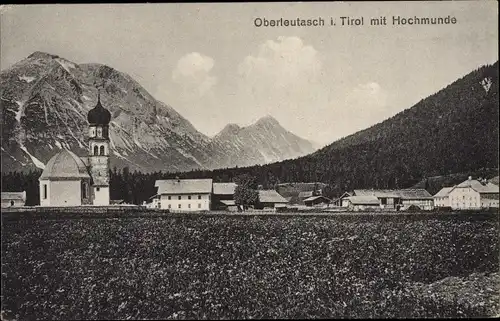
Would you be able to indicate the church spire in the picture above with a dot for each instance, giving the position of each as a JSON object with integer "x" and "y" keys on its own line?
{"x": 99, "y": 115}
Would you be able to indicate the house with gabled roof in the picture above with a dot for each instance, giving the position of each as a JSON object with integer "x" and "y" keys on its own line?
{"x": 342, "y": 200}
{"x": 387, "y": 198}
{"x": 13, "y": 199}
{"x": 473, "y": 194}
{"x": 270, "y": 199}
{"x": 399, "y": 198}
{"x": 361, "y": 203}
{"x": 442, "y": 198}
{"x": 186, "y": 195}
{"x": 415, "y": 197}
{"x": 318, "y": 200}
{"x": 223, "y": 196}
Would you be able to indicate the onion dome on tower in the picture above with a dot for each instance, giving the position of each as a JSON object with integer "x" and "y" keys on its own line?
{"x": 99, "y": 115}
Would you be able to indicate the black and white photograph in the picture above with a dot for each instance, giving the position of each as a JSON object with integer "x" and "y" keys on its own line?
{"x": 250, "y": 160}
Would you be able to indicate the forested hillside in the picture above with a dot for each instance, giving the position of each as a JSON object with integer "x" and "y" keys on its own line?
{"x": 452, "y": 131}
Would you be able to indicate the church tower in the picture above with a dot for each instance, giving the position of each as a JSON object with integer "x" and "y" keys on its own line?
{"x": 99, "y": 118}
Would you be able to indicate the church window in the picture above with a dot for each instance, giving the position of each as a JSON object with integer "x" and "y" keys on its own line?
{"x": 96, "y": 150}
{"x": 189, "y": 197}
{"x": 84, "y": 190}
{"x": 11, "y": 203}
{"x": 45, "y": 191}
{"x": 97, "y": 189}
{"x": 180, "y": 197}
{"x": 189, "y": 205}
{"x": 169, "y": 197}
{"x": 180, "y": 206}
{"x": 99, "y": 132}
{"x": 199, "y": 197}
{"x": 101, "y": 152}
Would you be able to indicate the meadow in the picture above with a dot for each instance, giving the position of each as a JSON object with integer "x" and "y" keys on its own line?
{"x": 247, "y": 266}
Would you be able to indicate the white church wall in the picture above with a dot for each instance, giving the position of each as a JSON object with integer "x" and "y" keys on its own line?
{"x": 61, "y": 193}
{"x": 101, "y": 196}
{"x": 44, "y": 192}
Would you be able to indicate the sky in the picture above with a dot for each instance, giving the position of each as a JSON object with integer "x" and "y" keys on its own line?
{"x": 212, "y": 64}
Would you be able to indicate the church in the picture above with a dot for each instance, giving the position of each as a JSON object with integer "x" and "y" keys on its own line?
{"x": 69, "y": 180}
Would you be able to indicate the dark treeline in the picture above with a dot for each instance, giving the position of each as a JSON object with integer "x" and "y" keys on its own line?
{"x": 22, "y": 181}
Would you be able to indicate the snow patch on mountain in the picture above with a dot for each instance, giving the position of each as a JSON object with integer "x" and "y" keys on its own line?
{"x": 20, "y": 110}
{"x": 35, "y": 160}
{"x": 66, "y": 64}
{"x": 27, "y": 79}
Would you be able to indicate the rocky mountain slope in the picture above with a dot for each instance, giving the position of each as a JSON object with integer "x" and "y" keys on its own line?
{"x": 263, "y": 142}
{"x": 45, "y": 100}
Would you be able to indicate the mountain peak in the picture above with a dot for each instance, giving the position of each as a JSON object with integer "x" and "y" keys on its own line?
{"x": 42, "y": 55}
{"x": 231, "y": 129}
{"x": 267, "y": 120}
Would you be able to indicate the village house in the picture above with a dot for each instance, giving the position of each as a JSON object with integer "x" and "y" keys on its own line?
{"x": 270, "y": 199}
{"x": 398, "y": 199}
{"x": 418, "y": 197}
{"x": 342, "y": 200}
{"x": 442, "y": 199}
{"x": 185, "y": 195}
{"x": 296, "y": 192}
{"x": 473, "y": 194}
{"x": 362, "y": 203}
{"x": 304, "y": 195}
{"x": 388, "y": 199}
{"x": 223, "y": 197}
{"x": 317, "y": 201}
{"x": 69, "y": 180}
{"x": 13, "y": 199}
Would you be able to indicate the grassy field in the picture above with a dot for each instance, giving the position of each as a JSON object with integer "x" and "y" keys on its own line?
{"x": 224, "y": 267}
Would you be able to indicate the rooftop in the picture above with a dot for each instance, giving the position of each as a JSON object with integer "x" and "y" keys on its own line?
{"x": 14, "y": 196}
{"x": 443, "y": 192}
{"x": 313, "y": 198}
{"x": 364, "y": 200}
{"x": 478, "y": 186}
{"x": 184, "y": 186}
{"x": 224, "y": 188}
{"x": 271, "y": 196}
{"x": 376, "y": 192}
{"x": 65, "y": 164}
{"x": 418, "y": 193}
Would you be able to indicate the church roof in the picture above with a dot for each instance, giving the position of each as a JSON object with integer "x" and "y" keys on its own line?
{"x": 65, "y": 164}
{"x": 99, "y": 115}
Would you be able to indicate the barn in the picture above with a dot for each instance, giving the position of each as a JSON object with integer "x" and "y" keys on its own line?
{"x": 317, "y": 201}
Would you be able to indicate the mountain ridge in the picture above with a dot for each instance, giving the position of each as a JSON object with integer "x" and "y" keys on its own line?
{"x": 45, "y": 99}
